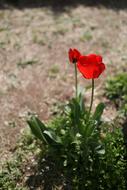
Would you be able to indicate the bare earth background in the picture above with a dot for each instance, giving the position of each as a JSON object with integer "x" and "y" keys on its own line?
{"x": 34, "y": 70}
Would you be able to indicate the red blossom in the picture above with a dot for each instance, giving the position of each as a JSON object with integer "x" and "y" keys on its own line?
{"x": 74, "y": 55}
{"x": 91, "y": 66}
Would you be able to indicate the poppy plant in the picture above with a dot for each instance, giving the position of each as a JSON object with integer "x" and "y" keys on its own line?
{"x": 74, "y": 56}
{"x": 91, "y": 67}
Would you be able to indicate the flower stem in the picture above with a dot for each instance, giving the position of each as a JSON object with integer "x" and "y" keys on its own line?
{"x": 76, "y": 81}
{"x": 92, "y": 95}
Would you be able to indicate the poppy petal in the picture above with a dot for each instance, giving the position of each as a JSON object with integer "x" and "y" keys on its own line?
{"x": 91, "y": 66}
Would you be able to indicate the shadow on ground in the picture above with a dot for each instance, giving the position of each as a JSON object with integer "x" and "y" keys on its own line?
{"x": 46, "y": 176}
{"x": 60, "y": 5}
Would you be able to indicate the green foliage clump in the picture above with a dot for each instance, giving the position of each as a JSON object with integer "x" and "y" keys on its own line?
{"x": 116, "y": 90}
{"x": 12, "y": 171}
{"x": 85, "y": 150}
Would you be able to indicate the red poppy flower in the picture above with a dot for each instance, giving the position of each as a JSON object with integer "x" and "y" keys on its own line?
{"x": 91, "y": 66}
{"x": 74, "y": 55}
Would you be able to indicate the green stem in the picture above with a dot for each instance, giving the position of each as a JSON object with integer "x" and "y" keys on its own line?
{"x": 92, "y": 95}
{"x": 76, "y": 81}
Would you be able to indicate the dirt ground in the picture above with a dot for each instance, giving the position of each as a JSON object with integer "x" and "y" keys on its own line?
{"x": 34, "y": 69}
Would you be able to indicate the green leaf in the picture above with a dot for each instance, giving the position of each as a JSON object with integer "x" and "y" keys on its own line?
{"x": 81, "y": 103}
{"x": 98, "y": 112}
{"x": 88, "y": 130}
{"x": 51, "y": 137}
{"x": 100, "y": 150}
{"x": 37, "y": 127}
{"x": 35, "y": 130}
{"x": 40, "y": 124}
{"x": 43, "y": 133}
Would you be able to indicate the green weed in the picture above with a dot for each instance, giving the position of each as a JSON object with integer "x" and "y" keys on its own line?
{"x": 12, "y": 171}
{"x": 38, "y": 40}
{"x": 88, "y": 152}
{"x": 87, "y": 36}
{"x": 53, "y": 71}
{"x": 24, "y": 64}
{"x": 116, "y": 91}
